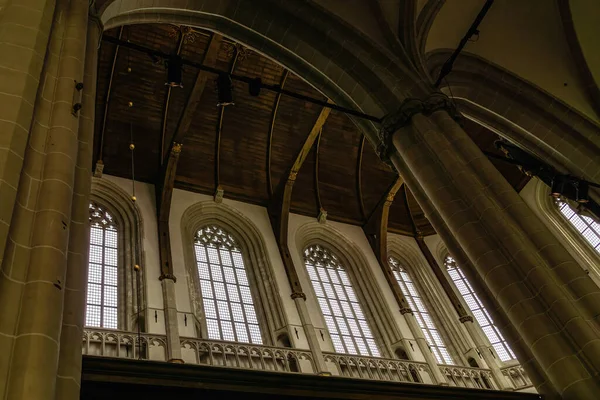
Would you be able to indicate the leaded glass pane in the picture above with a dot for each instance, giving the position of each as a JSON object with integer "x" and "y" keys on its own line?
{"x": 223, "y": 278}
{"x": 334, "y": 290}
{"x": 479, "y": 312}
{"x": 432, "y": 336}
{"x": 586, "y": 226}
{"x": 102, "y": 288}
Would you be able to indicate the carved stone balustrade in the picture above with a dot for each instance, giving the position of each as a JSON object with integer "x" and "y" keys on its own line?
{"x": 517, "y": 376}
{"x": 382, "y": 369}
{"x": 468, "y": 377}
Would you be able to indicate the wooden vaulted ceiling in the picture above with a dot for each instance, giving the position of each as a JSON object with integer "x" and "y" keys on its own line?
{"x": 246, "y": 149}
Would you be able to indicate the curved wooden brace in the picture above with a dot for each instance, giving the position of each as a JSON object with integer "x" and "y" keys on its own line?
{"x": 271, "y": 129}
{"x": 361, "y": 202}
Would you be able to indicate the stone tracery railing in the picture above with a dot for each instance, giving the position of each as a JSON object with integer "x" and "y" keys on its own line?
{"x": 468, "y": 377}
{"x": 374, "y": 368}
{"x": 113, "y": 343}
{"x": 247, "y": 356}
{"x": 517, "y": 376}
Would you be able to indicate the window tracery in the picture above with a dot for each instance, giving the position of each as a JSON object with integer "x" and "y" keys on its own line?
{"x": 102, "y": 287}
{"x": 225, "y": 289}
{"x": 432, "y": 335}
{"x": 345, "y": 320}
{"x": 479, "y": 312}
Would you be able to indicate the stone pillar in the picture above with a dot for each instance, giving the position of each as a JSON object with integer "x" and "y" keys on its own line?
{"x": 69, "y": 366}
{"x": 466, "y": 319}
{"x": 311, "y": 335}
{"x": 525, "y": 279}
{"x": 171, "y": 322}
{"x": 436, "y": 374}
{"x": 24, "y": 33}
{"x": 23, "y": 72}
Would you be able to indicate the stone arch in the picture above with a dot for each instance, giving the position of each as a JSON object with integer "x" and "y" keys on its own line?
{"x": 522, "y": 113}
{"x": 587, "y": 257}
{"x": 269, "y": 307}
{"x": 377, "y": 313}
{"x": 130, "y": 231}
{"x": 299, "y": 35}
{"x": 432, "y": 293}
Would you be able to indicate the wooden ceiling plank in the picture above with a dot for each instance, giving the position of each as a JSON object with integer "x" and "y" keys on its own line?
{"x": 271, "y": 129}
{"x": 415, "y": 231}
{"x": 108, "y": 92}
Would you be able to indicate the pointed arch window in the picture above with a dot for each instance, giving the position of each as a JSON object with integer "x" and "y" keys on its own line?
{"x": 102, "y": 287}
{"x": 476, "y": 306}
{"x": 225, "y": 290}
{"x": 432, "y": 335}
{"x": 345, "y": 320}
{"x": 586, "y": 226}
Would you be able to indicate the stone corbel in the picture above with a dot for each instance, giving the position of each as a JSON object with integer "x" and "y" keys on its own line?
{"x": 409, "y": 107}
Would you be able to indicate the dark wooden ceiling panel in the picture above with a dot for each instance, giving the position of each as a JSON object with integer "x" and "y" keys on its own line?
{"x": 377, "y": 178}
{"x": 304, "y": 195}
{"x": 244, "y": 131}
{"x": 338, "y": 154}
{"x": 295, "y": 119}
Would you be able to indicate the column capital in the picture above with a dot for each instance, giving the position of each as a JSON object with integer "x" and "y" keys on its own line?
{"x": 409, "y": 107}
{"x": 466, "y": 318}
{"x": 298, "y": 295}
{"x": 167, "y": 276}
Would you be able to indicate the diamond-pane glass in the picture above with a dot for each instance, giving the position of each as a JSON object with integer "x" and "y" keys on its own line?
{"x": 223, "y": 278}
{"x": 342, "y": 312}
{"x": 420, "y": 312}
{"x": 102, "y": 289}
{"x": 479, "y": 312}
{"x": 586, "y": 226}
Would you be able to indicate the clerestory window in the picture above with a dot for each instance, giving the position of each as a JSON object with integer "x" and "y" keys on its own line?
{"x": 344, "y": 317}
{"x": 102, "y": 287}
{"x": 415, "y": 301}
{"x": 225, "y": 289}
{"x": 479, "y": 312}
{"x": 586, "y": 226}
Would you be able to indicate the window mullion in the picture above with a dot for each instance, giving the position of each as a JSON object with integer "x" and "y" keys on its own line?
{"x": 102, "y": 277}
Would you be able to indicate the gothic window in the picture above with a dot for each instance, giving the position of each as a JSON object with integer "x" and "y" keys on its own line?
{"x": 102, "y": 298}
{"x": 586, "y": 226}
{"x": 348, "y": 327}
{"x": 432, "y": 335}
{"x": 481, "y": 315}
{"x": 225, "y": 290}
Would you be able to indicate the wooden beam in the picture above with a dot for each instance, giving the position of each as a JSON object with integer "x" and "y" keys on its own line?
{"x": 164, "y": 188}
{"x": 220, "y": 130}
{"x": 166, "y": 108}
{"x": 279, "y": 206}
{"x": 361, "y": 203}
{"x": 209, "y": 60}
{"x": 376, "y": 226}
{"x": 108, "y": 93}
{"x": 284, "y": 77}
{"x": 320, "y": 208}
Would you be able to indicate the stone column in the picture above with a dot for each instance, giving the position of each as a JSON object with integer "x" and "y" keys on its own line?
{"x": 466, "y": 319}
{"x": 436, "y": 374}
{"x": 24, "y": 33}
{"x": 23, "y": 72}
{"x": 537, "y": 375}
{"x": 523, "y": 278}
{"x": 171, "y": 322}
{"x": 34, "y": 358}
{"x": 69, "y": 365}
{"x": 311, "y": 335}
